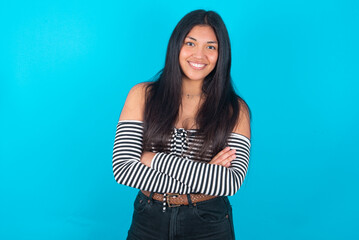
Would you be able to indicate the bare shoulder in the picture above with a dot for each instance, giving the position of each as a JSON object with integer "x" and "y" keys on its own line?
{"x": 243, "y": 123}
{"x": 134, "y": 106}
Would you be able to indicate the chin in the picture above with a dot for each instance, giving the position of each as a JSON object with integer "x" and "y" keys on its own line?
{"x": 194, "y": 79}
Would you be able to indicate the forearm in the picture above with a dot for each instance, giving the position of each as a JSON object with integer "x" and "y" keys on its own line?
{"x": 128, "y": 169}
{"x": 207, "y": 178}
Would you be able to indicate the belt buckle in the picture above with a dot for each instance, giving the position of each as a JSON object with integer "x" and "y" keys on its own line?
{"x": 173, "y": 195}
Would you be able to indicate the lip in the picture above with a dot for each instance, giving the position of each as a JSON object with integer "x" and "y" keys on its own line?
{"x": 193, "y": 65}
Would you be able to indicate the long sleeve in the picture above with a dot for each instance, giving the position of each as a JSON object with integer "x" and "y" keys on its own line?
{"x": 128, "y": 169}
{"x": 207, "y": 178}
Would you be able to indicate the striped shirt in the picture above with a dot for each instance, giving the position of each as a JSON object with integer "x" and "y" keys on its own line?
{"x": 176, "y": 169}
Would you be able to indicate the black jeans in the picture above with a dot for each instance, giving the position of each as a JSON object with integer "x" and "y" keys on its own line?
{"x": 208, "y": 220}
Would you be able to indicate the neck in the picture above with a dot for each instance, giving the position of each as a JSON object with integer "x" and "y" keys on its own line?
{"x": 191, "y": 88}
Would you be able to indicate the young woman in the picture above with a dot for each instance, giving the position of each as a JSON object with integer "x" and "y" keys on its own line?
{"x": 184, "y": 139}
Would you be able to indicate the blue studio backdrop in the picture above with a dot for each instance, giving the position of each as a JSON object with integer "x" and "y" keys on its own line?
{"x": 67, "y": 66}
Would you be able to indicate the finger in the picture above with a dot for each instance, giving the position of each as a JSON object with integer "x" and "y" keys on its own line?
{"x": 224, "y": 156}
{"x": 226, "y": 149}
{"x": 227, "y": 162}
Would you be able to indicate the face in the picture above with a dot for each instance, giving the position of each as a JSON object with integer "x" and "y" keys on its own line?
{"x": 199, "y": 53}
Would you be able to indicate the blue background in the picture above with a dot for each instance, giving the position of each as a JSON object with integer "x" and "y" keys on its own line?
{"x": 65, "y": 71}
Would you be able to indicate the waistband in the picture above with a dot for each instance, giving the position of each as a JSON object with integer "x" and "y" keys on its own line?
{"x": 176, "y": 200}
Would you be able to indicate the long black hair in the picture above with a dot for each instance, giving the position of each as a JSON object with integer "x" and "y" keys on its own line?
{"x": 219, "y": 112}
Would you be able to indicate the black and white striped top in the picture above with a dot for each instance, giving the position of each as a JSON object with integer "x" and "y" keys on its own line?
{"x": 176, "y": 170}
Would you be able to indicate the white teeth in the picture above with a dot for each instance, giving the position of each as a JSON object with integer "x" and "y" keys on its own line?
{"x": 198, "y": 65}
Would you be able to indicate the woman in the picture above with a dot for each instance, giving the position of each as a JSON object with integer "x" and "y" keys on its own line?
{"x": 184, "y": 139}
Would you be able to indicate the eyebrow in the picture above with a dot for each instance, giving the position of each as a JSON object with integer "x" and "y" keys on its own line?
{"x": 196, "y": 40}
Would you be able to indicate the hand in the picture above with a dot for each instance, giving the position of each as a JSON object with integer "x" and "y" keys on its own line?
{"x": 146, "y": 158}
{"x": 224, "y": 157}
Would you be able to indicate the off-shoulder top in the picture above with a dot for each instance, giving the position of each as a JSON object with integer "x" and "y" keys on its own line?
{"x": 177, "y": 169}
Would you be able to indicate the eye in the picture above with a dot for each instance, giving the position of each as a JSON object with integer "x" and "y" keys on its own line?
{"x": 212, "y": 47}
{"x": 189, "y": 44}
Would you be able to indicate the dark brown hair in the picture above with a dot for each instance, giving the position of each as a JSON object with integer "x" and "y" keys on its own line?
{"x": 218, "y": 114}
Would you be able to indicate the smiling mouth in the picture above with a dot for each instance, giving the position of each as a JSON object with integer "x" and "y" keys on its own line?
{"x": 197, "y": 66}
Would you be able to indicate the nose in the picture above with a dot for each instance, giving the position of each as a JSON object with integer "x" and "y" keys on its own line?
{"x": 199, "y": 52}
